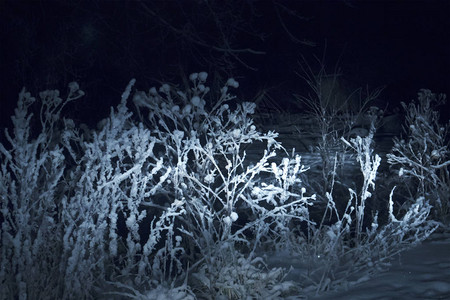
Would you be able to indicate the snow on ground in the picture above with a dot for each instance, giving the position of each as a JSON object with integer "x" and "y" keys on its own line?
{"x": 419, "y": 273}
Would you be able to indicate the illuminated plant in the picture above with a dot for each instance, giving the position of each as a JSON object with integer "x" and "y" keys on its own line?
{"x": 421, "y": 158}
{"x": 180, "y": 196}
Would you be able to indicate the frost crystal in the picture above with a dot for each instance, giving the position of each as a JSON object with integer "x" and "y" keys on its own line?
{"x": 233, "y": 83}
{"x": 202, "y": 76}
{"x": 209, "y": 178}
{"x": 153, "y": 91}
{"x": 193, "y": 76}
{"x": 236, "y": 133}
{"x": 175, "y": 109}
{"x": 187, "y": 109}
{"x": 227, "y": 221}
{"x": 195, "y": 101}
{"x": 249, "y": 107}
{"x": 165, "y": 88}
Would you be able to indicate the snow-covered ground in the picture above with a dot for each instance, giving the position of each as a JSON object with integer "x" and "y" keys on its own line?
{"x": 419, "y": 273}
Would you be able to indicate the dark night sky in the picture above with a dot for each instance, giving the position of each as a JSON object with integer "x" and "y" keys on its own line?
{"x": 403, "y": 45}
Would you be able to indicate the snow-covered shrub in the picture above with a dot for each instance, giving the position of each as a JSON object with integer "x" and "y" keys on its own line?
{"x": 169, "y": 202}
{"x": 65, "y": 200}
{"x": 227, "y": 200}
{"x": 348, "y": 249}
{"x": 232, "y": 275}
{"x": 421, "y": 158}
{"x": 31, "y": 191}
{"x": 139, "y": 206}
{"x": 114, "y": 175}
{"x": 336, "y": 113}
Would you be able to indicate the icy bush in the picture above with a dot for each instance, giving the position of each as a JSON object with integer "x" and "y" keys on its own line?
{"x": 345, "y": 250}
{"x": 31, "y": 191}
{"x": 231, "y": 275}
{"x": 163, "y": 201}
{"x": 421, "y": 158}
{"x": 336, "y": 113}
{"x": 141, "y": 204}
{"x": 226, "y": 201}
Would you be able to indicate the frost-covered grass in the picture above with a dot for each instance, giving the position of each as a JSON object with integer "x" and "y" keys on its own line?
{"x": 162, "y": 201}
